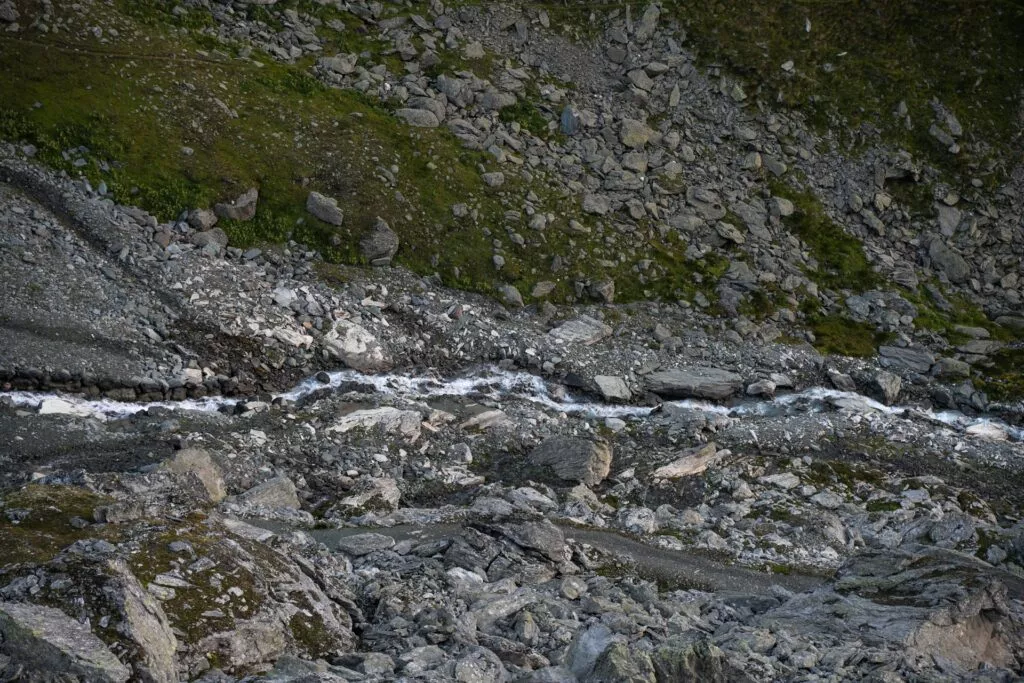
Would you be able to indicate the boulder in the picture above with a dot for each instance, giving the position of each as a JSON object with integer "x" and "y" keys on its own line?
{"x": 325, "y": 208}
{"x": 543, "y": 537}
{"x": 906, "y": 358}
{"x": 144, "y": 622}
{"x": 242, "y": 209}
{"x": 380, "y": 244}
{"x": 421, "y": 118}
{"x": 613, "y": 388}
{"x": 364, "y": 544}
{"x": 354, "y": 346}
{"x": 49, "y": 645}
{"x": 693, "y": 461}
{"x": 214, "y": 236}
{"x": 574, "y": 459}
{"x": 583, "y": 330}
{"x": 198, "y": 462}
{"x": 699, "y": 382}
{"x": 278, "y": 492}
{"x": 635, "y": 134}
{"x": 948, "y": 261}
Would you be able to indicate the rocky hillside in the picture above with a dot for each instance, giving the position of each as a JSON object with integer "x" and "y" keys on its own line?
{"x": 551, "y": 341}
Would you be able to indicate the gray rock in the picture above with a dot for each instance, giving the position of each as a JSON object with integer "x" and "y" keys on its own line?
{"x": 917, "y": 360}
{"x": 634, "y": 134}
{"x": 586, "y": 648}
{"x": 620, "y": 663}
{"x": 144, "y": 622}
{"x": 685, "y": 658}
{"x": 613, "y": 388}
{"x": 647, "y": 25}
{"x": 510, "y": 296}
{"x": 574, "y": 459}
{"x": 596, "y": 204}
{"x": 421, "y": 118}
{"x": 494, "y": 179}
{"x": 583, "y": 330}
{"x": 202, "y": 219}
{"x": 948, "y": 261}
{"x": 215, "y": 237}
{"x": 198, "y": 463}
{"x": 278, "y": 492}
{"x": 242, "y": 209}
{"x": 543, "y": 537}
{"x": 8, "y": 12}
{"x": 364, "y": 544}
{"x": 380, "y": 244}
{"x": 698, "y": 382}
{"x": 325, "y": 208}
{"x": 886, "y": 386}
{"x": 49, "y": 644}
{"x": 353, "y": 345}
{"x": 569, "y": 122}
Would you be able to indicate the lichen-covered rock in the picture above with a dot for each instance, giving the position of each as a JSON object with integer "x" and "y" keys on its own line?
{"x": 45, "y": 644}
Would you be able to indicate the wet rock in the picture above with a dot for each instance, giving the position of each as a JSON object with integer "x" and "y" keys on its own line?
{"x": 574, "y": 459}
{"x": 46, "y": 644}
{"x": 697, "y": 382}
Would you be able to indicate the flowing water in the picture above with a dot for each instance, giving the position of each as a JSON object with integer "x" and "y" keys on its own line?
{"x": 500, "y": 385}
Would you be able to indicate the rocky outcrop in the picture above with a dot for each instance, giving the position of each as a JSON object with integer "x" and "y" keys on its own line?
{"x": 713, "y": 383}
{"x": 44, "y": 644}
{"x": 572, "y": 459}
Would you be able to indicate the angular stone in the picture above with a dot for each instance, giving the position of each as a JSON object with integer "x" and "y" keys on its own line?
{"x": 325, "y": 208}
{"x": 199, "y": 463}
{"x": 635, "y": 134}
{"x": 278, "y": 492}
{"x": 694, "y": 461}
{"x": 574, "y": 459}
{"x": 50, "y": 645}
{"x": 917, "y": 360}
{"x": 613, "y": 388}
{"x": 242, "y": 209}
{"x": 948, "y": 261}
{"x": 698, "y": 382}
{"x": 364, "y": 544}
{"x": 380, "y": 244}
{"x": 354, "y": 346}
{"x": 596, "y": 204}
{"x": 421, "y": 118}
{"x": 543, "y": 537}
{"x": 583, "y": 330}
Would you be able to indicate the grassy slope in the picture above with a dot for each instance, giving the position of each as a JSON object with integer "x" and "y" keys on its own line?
{"x": 164, "y": 85}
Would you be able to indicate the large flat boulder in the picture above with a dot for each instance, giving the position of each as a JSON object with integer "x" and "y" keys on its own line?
{"x": 574, "y": 459}
{"x": 49, "y": 644}
{"x": 712, "y": 383}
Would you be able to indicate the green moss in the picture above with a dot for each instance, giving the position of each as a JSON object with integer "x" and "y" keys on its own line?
{"x": 841, "y": 263}
{"x": 837, "y": 334}
{"x": 830, "y": 472}
{"x": 856, "y": 64}
{"x": 883, "y": 506}
{"x": 46, "y": 530}
{"x": 1003, "y": 379}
